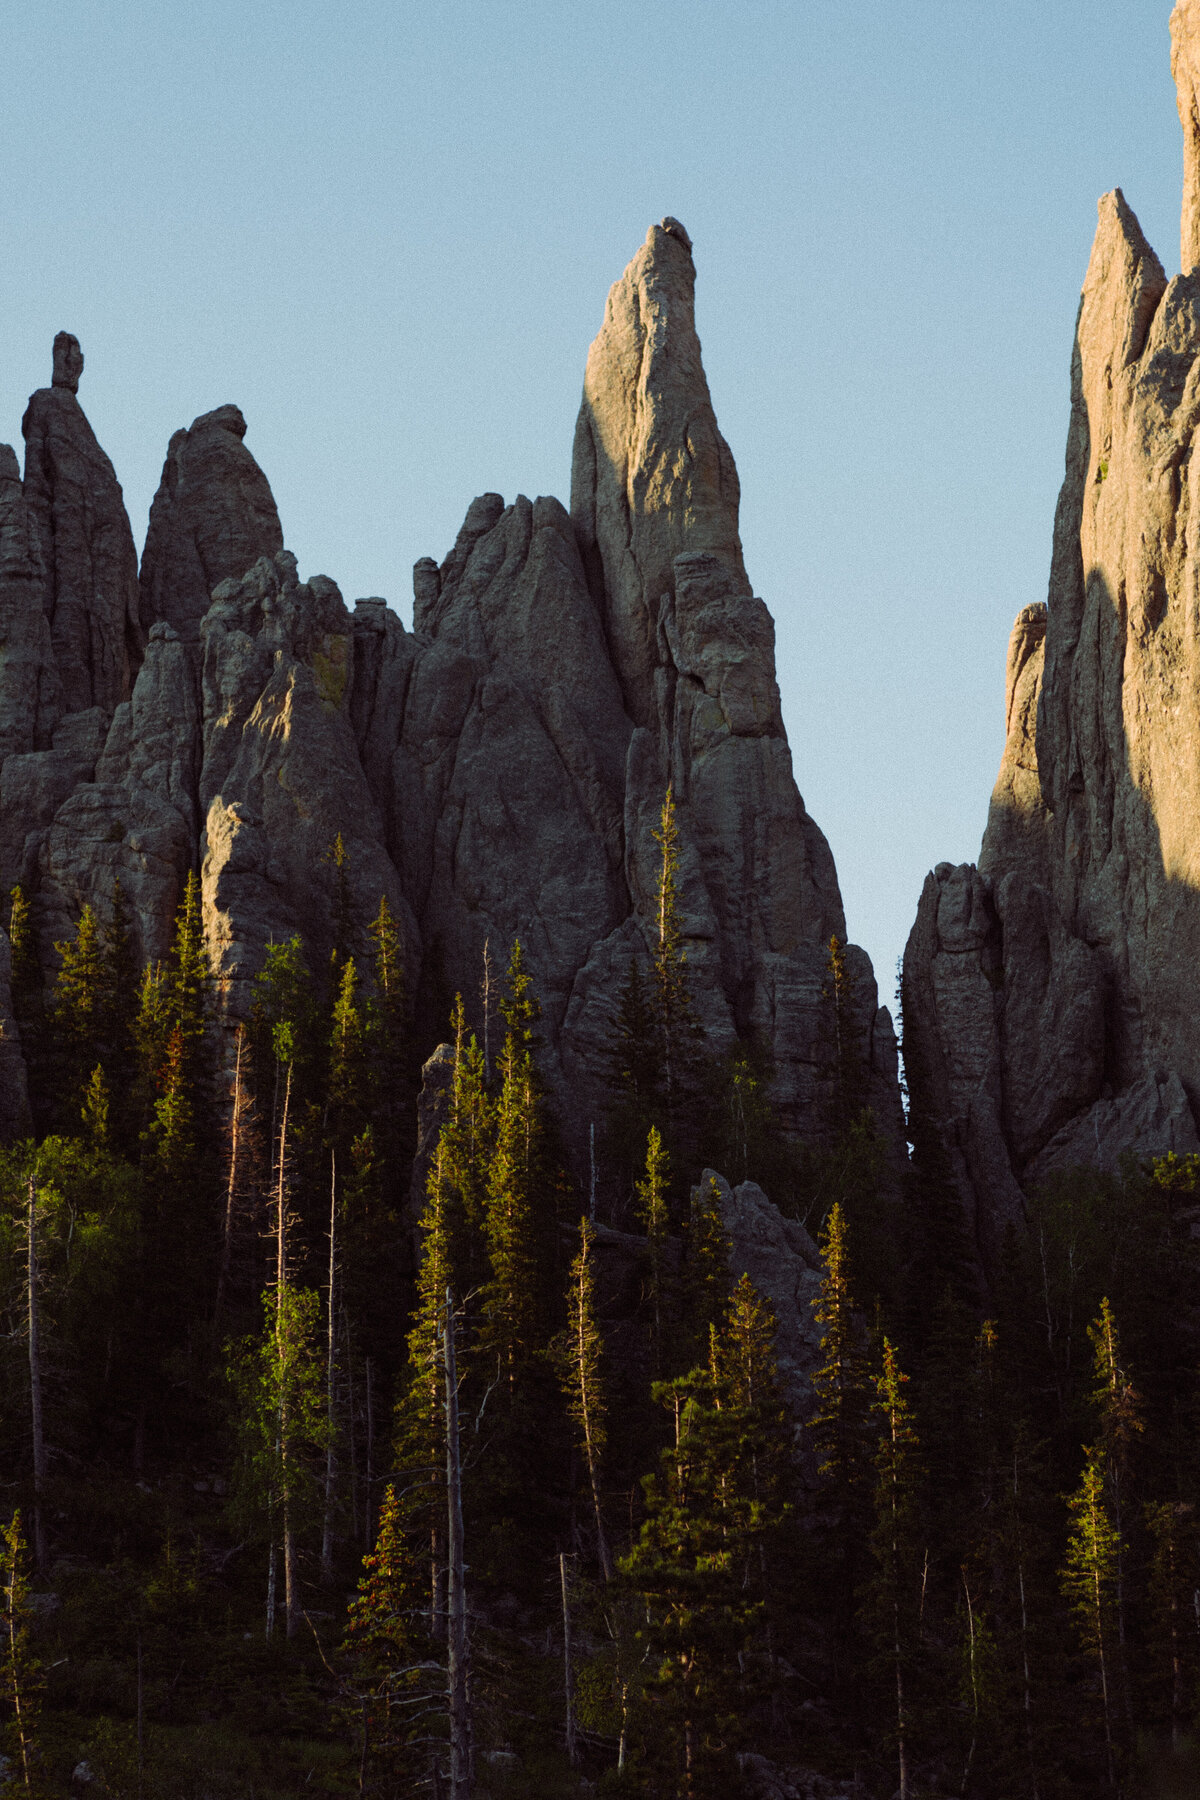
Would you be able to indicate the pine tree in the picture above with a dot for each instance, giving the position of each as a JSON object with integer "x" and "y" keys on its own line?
{"x": 383, "y": 1648}
{"x": 633, "y": 1074}
{"x": 1089, "y": 1582}
{"x": 512, "y": 1230}
{"x": 393, "y": 1100}
{"x": 242, "y": 1156}
{"x": 26, "y": 971}
{"x": 1172, "y": 1526}
{"x": 845, "y": 1059}
{"x": 419, "y": 1425}
{"x": 580, "y": 1358}
{"x": 338, "y": 858}
{"x": 189, "y": 977}
{"x": 279, "y": 1380}
{"x": 95, "y": 1111}
{"x": 1118, "y": 1406}
{"x": 706, "y": 1281}
{"x": 891, "y": 1599}
{"x": 80, "y": 1010}
{"x": 350, "y": 1079}
{"x": 171, "y": 1138}
{"x": 22, "y": 1673}
{"x": 839, "y": 1426}
{"x": 697, "y": 1563}
{"x": 677, "y": 1027}
{"x": 653, "y": 1216}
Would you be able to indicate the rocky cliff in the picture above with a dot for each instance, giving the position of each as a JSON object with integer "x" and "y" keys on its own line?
{"x": 1050, "y": 992}
{"x": 496, "y": 772}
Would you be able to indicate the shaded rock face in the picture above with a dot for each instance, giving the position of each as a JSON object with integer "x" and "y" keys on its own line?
{"x": 82, "y": 544}
{"x": 212, "y": 517}
{"x": 497, "y": 773}
{"x": 1085, "y": 907}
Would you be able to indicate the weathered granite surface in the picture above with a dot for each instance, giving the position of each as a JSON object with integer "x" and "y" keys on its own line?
{"x": 1051, "y": 1017}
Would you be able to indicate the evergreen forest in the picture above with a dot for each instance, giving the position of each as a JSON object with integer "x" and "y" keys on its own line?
{"x": 343, "y": 1458}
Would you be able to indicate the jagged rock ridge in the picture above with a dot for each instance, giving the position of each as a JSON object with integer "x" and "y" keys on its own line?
{"x": 496, "y": 772}
{"x": 1049, "y": 994}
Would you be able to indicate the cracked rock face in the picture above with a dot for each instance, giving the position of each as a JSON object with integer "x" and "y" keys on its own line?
{"x": 1088, "y": 887}
{"x": 82, "y": 544}
{"x": 212, "y": 517}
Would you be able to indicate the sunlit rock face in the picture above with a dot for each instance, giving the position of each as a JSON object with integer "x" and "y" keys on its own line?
{"x": 1087, "y": 895}
{"x": 496, "y": 773}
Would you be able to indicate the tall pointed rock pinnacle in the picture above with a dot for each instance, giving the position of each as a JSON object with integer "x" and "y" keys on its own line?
{"x": 651, "y": 475}
{"x": 213, "y": 517}
{"x": 1185, "y": 67}
{"x": 83, "y": 542}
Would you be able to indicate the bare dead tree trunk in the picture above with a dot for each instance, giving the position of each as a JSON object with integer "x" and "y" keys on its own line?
{"x": 568, "y": 1678}
{"x": 330, "y": 1365}
{"x": 368, "y": 1474}
{"x": 592, "y": 1182}
{"x": 35, "y": 1387}
{"x": 291, "y": 1575}
{"x": 270, "y": 1631}
{"x": 236, "y": 1126}
{"x": 458, "y": 1658}
{"x": 1027, "y": 1684}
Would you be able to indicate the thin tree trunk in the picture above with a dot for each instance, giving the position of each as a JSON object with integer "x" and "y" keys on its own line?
{"x": 487, "y": 1009}
{"x": 291, "y": 1576}
{"x": 35, "y": 1388}
{"x": 368, "y": 1475}
{"x": 974, "y": 1684}
{"x": 585, "y": 1398}
{"x": 458, "y": 1659}
{"x": 231, "y": 1186}
{"x": 568, "y": 1679}
{"x": 270, "y": 1631}
{"x": 330, "y": 1363}
{"x": 1108, "y": 1742}
{"x": 592, "y": 1186}
{"x": 1028, "y": 1686}
{"x": 141, "y": 1742}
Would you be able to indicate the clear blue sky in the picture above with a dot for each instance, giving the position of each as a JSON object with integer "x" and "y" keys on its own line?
{"x": 387, "y": 231}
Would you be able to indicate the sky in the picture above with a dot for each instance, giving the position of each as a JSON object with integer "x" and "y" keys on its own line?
{"x": 386, "y": 231}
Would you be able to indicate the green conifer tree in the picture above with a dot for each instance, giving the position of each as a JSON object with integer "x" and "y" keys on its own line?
{"x": 420, "y": 1426}
{"x": 1089, "y": 1582}
{"x": 892, "y": 1596}
{"x": 696, "y": 1563}
{"x": 705, "y": 1277}
{"x": 393, "y": 1100}
{"x": 652, "y": 1215}
{"x": 79, "y": 1012}
{"x": 1172, "y": 1526}
{"x": 514, "y": 1234}
{"x": 383, "y": 1648}
{"x": 633, "y": 1073}
{"x": 579, "y": 1355}
{"x": 1118, "y": 1407}
{"x": 23, "y": 1681}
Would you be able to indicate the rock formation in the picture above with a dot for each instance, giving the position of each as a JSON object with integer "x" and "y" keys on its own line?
{"x": 1049, "y": 994}
{"x": 497, "y": 772}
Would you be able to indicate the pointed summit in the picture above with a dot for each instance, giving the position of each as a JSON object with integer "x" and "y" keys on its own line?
{"x": 651, "y": 476}
{"x": 82, "y": 541}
